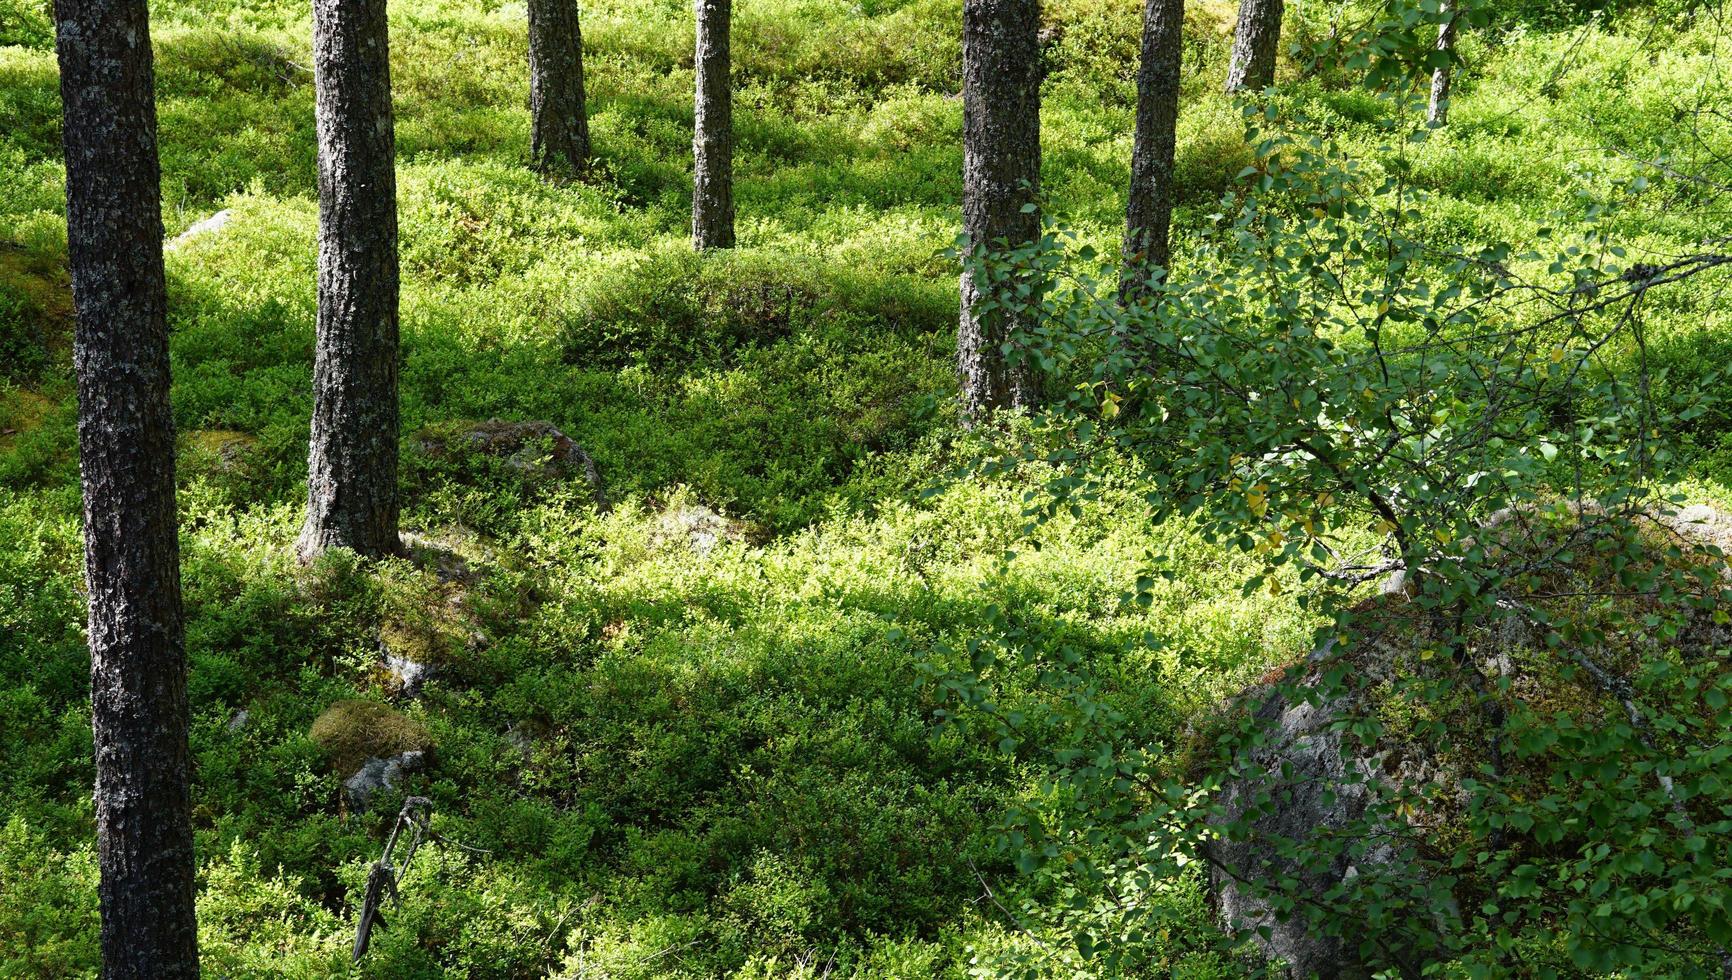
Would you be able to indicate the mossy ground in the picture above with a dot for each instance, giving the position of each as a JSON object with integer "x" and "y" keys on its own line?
{"x": 680, "y": 764}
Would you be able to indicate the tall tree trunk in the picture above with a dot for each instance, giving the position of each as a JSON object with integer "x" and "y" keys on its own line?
{"x": 558, "y": 124}
{"x": 1149, "y": 216}
{"x": 1438, "y": 113}
{"x": 1256, "y": 41}
{"x": 352, "y": 464}
{"x": 713, "y": 130}
{"x": 138, "y": 701}
{"x": 1001, "y": 77}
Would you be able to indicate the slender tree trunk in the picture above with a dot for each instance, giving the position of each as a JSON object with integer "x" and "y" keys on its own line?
{"x": 558, "y": 124}
{"x": 1438, "y": 114}
{"x": 138, "y": 701}
{"x": 1001, "y": 77}
{"x": 1149, "y": 216}
{"x": 352, "y": 465}
{"x": 713, "y": 130}
{"x": 1256, "y": 41}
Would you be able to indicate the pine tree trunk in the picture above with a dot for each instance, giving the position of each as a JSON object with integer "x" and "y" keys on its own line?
{"x": 1438, "y": 113}
{"x": 1149, "y": 216}
{"x": 138, "y": 699}
{"x": 1001, "y": 77}
{"x": 558, "y": 123}
{"x": 713, "y": 130}
{"x": 1256, "y": 42}
{"x": 352, "y": 465}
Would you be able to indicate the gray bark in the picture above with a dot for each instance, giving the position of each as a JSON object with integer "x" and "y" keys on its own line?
{"x": 1438, "y": 112}
{"x": 352, "y": 462}
{"x": 713, "y": 130}
{"x": 138, "y": 699}
{"x": 1256, "y": 41}
{"x": 1001, "y": 77}
{"x": 558, "y": 123}
{"x": 1149, "y": 215}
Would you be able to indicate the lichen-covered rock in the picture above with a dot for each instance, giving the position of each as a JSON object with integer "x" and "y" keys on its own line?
{"x": 413, "y": 650}
{"x": 1308, "y": 782}
{"x": 406, "y": 675}
{"x": 698, "y": 527}
{"x": 381, "y": 775}
{"x": 429, "y": 622}
{"x": 198, "y": 229}
{"x": 1702, "y": 525}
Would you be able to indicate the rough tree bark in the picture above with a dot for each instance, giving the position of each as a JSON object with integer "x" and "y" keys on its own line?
{"x": 1256, "y": 41}
{"x": 1438, "y": 113}
{"x": 352, "y": 463}
{"x": 1149, "y": 216}
{"x": 713, "y": 130}
{"x": 1001, "y": 77}
{"x": 138, "y": 699}
{"x": 558, "y": 124}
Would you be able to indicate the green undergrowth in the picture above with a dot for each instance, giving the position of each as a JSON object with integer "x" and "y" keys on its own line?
{"x": 675, "y": 759}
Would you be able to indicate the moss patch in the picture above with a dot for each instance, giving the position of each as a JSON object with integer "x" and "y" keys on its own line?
{"x": 353, "y": 731}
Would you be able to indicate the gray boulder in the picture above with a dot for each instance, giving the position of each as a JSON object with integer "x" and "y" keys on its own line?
{"x": 378, "y": 775}
{"x": 1305, "y": 783}
{"x": 406, "y": 675}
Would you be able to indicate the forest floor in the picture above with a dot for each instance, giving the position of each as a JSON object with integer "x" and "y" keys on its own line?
{"x": 688, "y": 733}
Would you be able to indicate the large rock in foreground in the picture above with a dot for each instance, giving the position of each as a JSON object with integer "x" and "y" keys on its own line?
{"x": 1305, "y": 791}
{"x": 1311, "y": 811}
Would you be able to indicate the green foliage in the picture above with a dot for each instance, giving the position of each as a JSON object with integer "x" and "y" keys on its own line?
{"x": 35, "y": 313}
{"x": 1327, "y": 390}
{"x": 21, "y": 347}
{"x": 27, "y": 23}
{"x": 679, "y": 308}
{"x": 714, "y": 760}
{"x": 47, "y": 907}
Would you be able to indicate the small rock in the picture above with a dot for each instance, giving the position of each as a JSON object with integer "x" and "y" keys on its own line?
{"x": 416, "y": 644}
{"x": 408, "y": 675}
{"x": 238, "y": 722}
{"x": 699, "y": 527}
{"x": 215, "y": 223}
{"x": 376, "y": 775}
